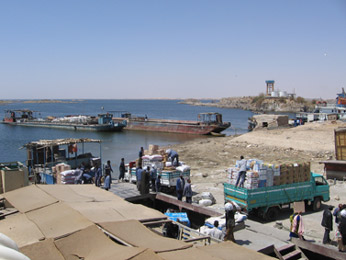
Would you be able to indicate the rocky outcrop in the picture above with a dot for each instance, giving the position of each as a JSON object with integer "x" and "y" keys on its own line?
{"x": 257, "y": 104}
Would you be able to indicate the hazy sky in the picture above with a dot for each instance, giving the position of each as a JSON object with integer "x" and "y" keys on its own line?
{"x": 173, "y": 49}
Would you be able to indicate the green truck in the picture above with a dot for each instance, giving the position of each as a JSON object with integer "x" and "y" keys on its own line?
{"x": 267, "y": 202}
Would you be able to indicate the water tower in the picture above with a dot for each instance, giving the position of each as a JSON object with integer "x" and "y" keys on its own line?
{"x": 270, "y": 87}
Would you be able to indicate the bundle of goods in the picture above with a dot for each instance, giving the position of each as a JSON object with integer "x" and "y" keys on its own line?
{"x": 150, "y": 160}
{"x": 261, "y": 174}
{"x": 67, "y": 177}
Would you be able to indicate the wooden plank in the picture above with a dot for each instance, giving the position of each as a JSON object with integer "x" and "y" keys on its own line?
{"x": 188, "y": 206}
{"x": 319, "y": 249}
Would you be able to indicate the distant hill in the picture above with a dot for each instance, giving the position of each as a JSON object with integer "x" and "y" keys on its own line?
{"x": 259, "y": 103}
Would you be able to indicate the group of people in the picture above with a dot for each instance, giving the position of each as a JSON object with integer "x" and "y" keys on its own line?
{"x": 148, "y": 179}
{"x": 184, "y": 189}
{"x": 340, "y": 221}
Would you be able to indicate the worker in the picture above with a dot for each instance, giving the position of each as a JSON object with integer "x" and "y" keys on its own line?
{"x": 230, "y": 209}
{"x": 342, "y": 229}
{"x": 153, "y": 176}
{"x": 216, "y": 232}
{"x": 122, "y": 170}
{"x": 108, "y": 168}
{"x": 297, "y": 226}
{"x": 140, "y": 155}
{"x": 188, "y": 191}
{"x": 242, "y": 172}
{"x": 158, "y": 183}
{"x": 180, "y": 187}
{"x": 98, "y": 175}
{"x": 145, "y": 181}
{"x": 173, "y": 156}
{"x": 108, "y": 181}
{"x": 327, "y": 223}
{"x": 138, "y": 177}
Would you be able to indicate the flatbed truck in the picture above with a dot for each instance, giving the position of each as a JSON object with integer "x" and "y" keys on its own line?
{"x": 267, "y": 202}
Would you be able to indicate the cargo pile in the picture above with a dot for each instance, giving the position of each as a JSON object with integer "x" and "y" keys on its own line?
{"x": 157, "y": 157}
{"x": 261, "y": 174}
{"x": 64, "y": 174}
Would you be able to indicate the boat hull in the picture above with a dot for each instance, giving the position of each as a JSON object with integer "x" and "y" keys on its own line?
{"x": 183, "y": 127}
{"x": 74, "y": 127}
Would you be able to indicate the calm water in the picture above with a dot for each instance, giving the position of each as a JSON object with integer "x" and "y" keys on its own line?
{"x": 114, "y": 145}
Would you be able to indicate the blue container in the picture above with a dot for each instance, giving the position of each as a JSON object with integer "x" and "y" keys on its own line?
{"x": 179, "y": 217}
{"x": 47, "y": 178}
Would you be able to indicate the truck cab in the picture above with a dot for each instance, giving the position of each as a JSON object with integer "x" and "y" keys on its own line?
{"x": 320, "y": 190}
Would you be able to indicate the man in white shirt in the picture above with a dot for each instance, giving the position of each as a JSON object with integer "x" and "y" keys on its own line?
{"x": 216, "y": 232}
{"x": 242, "y": 172}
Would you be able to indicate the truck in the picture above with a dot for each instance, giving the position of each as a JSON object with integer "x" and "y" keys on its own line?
{"x": 267, "y": 202}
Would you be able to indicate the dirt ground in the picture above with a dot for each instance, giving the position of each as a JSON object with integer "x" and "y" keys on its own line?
{"x": 210, "y": 157}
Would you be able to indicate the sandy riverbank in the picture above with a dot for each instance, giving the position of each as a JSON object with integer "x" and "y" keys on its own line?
{"x": 314, "y": 142}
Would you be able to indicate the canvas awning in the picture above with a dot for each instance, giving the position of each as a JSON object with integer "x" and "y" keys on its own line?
{"x": 136, "y": 234}
{"x": 29, "y": 198}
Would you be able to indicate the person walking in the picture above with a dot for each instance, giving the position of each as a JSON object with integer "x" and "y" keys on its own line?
{"x": 180, "y": 187}
{"x": 121, "y": 170}
{"x": 327, "y": 223}
{"x": 139, "y": 177}
{"x": 230, "y": 209}
{"x": 297, "y": 227}
{"x": 242, "y": 172}
{"x": 188, "y": 191}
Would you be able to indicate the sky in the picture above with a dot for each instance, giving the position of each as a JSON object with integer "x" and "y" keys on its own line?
{"x": 88, "y": 49}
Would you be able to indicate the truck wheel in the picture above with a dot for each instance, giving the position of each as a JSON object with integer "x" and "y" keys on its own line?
{"x": 317, "y": 204}
{"x": 272, "y": 214}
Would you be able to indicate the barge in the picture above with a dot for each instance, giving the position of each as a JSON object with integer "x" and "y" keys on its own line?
{"x": 206, "y": 124}
{"x": 102, "y": 122}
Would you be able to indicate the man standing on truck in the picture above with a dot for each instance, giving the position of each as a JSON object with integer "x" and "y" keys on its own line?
{"x": 230, "y": 209}
{"x": 242, "y": 172}
{"x": 327, "y": 223}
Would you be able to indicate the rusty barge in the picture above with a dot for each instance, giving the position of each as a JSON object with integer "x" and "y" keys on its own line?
{"x": 207, "y": 123}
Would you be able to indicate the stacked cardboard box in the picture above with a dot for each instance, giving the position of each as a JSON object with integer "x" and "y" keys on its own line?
{"x": 266, "y": 175}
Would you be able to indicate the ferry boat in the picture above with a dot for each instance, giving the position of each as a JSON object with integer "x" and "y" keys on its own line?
{"x": 102, "y": 122}
{"x": 206, "y": 124}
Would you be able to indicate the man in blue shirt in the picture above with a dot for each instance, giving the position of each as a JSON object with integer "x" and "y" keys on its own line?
{"x": 188, "y": 191}
{"x": 139, "y": 176}
{"x": 180, "y": 187}
{"x": 153, "y": 176}
{"x": 173, "y": 155}
{"x": 98, "y": 176}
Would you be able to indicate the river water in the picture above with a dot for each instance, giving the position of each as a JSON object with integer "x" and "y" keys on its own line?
{"x": 114, "y": 145}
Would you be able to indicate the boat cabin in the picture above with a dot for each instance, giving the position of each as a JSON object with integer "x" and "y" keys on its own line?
{"x": 18, "y": 115}
{"x": 43, "y": 155}
{"x": 210, "y": 118}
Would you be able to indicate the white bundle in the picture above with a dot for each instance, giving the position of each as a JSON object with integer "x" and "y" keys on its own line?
{"x": 205, "y": 202}
{"x": 8, "y": 242}
{"x": 183, "y": 168}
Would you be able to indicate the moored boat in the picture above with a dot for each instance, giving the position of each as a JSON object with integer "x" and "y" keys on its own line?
{"x": 101, "y": 122}
{"x": 207, "y": 123}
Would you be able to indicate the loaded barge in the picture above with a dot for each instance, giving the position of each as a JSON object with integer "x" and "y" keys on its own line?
{"x": 207, "y": 123}
{"x": 102, "y": 122}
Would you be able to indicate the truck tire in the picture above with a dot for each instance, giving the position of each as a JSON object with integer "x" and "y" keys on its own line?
{"x": 316, "y": 206}
{"x": 271, "y": 214}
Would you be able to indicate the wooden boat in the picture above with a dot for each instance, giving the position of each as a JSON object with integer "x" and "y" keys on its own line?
{"x": 103, "y": 122}
{"x": 205, "y": 125}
